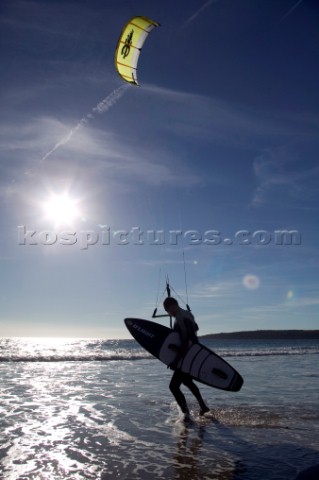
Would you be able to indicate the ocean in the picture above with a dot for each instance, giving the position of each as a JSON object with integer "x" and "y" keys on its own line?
{"x": 101, "y": 409}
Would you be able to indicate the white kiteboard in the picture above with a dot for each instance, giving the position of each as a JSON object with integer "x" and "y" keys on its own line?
{"x": 199, "y": 361}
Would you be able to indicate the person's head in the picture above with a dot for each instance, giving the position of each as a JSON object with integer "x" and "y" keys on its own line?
{"x": 171, "y": 306}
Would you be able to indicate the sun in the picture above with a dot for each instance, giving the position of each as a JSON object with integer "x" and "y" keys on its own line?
{"x": 61, "y": 209}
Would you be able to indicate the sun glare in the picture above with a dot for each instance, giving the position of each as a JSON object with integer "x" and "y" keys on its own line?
{"x": 61, "y": 209}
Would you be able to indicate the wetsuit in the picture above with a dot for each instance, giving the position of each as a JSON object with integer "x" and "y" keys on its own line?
{"x": 186, "y": 326}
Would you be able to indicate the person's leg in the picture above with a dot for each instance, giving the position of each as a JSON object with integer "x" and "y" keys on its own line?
{"x": 174, "y": 386}
{"x": 188, "y": 382}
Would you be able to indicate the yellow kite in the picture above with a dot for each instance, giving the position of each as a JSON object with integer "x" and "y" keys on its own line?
{"x": 130, "y": 45}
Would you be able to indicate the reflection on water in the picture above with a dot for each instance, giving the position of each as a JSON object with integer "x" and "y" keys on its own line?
{"x": 117, "y": 420}
{"x": 68, "y": 349}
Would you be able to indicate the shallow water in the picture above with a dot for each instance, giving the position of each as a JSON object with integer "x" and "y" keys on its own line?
{"x": 108, "y": 419}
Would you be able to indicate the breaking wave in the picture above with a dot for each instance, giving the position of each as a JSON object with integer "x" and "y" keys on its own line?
{"x": 140, "y": 354}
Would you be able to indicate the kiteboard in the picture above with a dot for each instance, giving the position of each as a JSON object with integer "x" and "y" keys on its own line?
{"x": 200, "y": 362}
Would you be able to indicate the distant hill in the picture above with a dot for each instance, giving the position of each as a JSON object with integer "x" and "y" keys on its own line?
{"x": 266, "y": 335}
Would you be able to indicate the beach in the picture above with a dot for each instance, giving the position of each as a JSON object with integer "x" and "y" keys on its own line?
{"x": 99, "y": 409}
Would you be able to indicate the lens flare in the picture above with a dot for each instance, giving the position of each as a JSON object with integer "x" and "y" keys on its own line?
{"x": 290, "y": 295}
{"x": 251, "y": 282}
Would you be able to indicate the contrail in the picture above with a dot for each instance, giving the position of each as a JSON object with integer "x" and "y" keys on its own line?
{"x": 195, "y": 15}
{"x": 100, "y": 108}
{"x": 292, "y": 9}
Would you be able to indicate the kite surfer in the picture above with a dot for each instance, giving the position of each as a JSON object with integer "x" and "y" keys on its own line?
{"x": 187, "y": 328}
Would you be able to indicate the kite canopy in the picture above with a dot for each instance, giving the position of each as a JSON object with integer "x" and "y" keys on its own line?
{"x": 129, "y": 47}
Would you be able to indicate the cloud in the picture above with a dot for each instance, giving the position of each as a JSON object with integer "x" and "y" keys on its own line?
{"x": 104, "y": 153}
{"x": 99, "y": 148}
{"x": 281, "y": 173}
{"x": 231, "y": 305}
{"x": 269, "y": 171}
{"x": 108, "y": 102}
{"x": 91, "y": 155}
{"x": 49, "y": 18}
{"x": 217, "y": 290}
{"x": 281, "y": 307}
{"x": 204, "y": 118}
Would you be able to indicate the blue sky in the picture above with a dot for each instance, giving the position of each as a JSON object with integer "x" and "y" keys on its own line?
{"x": 221, "y": 136}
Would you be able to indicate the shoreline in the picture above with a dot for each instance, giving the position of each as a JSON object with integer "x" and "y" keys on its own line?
{"x": 265, "y": 335}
